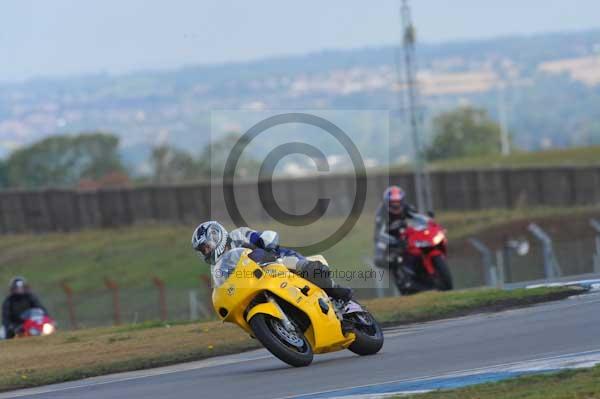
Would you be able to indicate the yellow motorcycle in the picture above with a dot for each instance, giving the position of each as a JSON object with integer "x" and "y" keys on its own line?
{"x": 290, "y": 316}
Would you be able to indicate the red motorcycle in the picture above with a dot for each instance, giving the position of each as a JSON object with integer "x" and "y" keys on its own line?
{"x": 35, "y": 323}
{"x": 422, "y": 265}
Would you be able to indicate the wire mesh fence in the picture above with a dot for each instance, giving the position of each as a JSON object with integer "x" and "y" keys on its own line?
{"x": 106, "y": 306}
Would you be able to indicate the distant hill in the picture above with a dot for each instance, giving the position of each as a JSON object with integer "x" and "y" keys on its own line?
{"x": 551, "y": 96}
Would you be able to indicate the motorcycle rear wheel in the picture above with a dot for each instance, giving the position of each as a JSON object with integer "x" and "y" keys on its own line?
{"x": 291, "y": 348}
{"x": 400, "y": 279}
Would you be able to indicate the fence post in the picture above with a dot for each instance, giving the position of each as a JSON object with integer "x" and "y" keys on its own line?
{"x": 206, "y": 305}
{"x": 551, "y": 266}
{"x": 162, "y": 297}
{"x": 596, "y": 226}
{"x": 70, "y": 305}
{"x": 114, "y": 287}
{"x": 193, "y": 297}
{"x": 491, "y": 273}
{"x": 500, "y": 268}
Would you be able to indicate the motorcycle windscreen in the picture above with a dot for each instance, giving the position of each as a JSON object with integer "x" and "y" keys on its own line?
{"x": 35, "y": 314}
{"x": 226, "y": 265}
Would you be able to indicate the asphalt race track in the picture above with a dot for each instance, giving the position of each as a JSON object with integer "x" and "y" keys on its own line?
{"x": 418, "y": 351}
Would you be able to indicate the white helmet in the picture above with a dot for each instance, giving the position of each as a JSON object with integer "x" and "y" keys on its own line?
{"x": 211, "y": 239}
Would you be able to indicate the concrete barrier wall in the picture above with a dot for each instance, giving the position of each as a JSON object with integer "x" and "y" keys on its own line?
{"x": 69, "y": 210}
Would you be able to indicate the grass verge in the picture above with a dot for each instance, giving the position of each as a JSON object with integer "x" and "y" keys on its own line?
{"x": 74, "y": 355}
{"x": 439, "y": 305}
{"x": 571, "y": 384}
{"x": 133, "y": 254}
{"x": 556, "y": 157}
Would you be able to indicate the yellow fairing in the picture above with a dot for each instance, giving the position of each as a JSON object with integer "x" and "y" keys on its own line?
{"x": 232, "y": 300}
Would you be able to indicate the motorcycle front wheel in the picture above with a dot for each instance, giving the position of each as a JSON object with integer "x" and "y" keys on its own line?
{"x": 291, "y": 347}
{"x": 369, "y": 335}
{"x": 443, "y": 279}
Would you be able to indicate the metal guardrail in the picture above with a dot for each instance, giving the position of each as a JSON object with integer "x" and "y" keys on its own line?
{"x": 596, "y": 226}
{"x": 491, "y": 271}
{"x": 551, "y": 266}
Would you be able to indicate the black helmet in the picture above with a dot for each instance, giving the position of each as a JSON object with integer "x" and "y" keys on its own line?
{"x": 18, "y": 285}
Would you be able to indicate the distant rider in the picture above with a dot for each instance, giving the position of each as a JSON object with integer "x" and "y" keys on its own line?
{"x": 19, "y": 300}
{"x": 390, "y": 222}
{"x": 213, "y": 241}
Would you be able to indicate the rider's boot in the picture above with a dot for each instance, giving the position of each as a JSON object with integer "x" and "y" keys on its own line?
{"x": 337, "y": 292}
{"x": 342, "y": 300}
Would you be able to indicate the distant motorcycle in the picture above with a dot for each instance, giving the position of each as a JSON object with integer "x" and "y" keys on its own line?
{"x": 36, "y": 323}
{"x": 427, "y": 244}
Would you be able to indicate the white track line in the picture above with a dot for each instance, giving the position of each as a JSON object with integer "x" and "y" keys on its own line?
{"x": 458, "y": 373}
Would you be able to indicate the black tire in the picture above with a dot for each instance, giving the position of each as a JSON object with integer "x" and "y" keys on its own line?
{"x": 399, "y": 280}
{"x": 399, "y": 277}
{"x": 369, "y": 338}
{"x": 443, "y": 280}
{"x": 400, "y": 285}
{"x": 263, "y": 331}
{"x": 407, "y": 292}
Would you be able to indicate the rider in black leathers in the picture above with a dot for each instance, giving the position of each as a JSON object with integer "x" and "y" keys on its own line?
{"x": 390, "y": 220}
{"x": 18, "y": 301}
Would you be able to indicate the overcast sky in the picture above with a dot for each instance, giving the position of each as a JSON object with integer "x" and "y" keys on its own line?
{"x": 66, "y": 37}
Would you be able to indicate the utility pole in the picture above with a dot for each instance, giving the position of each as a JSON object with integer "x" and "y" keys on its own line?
{"x": 502, "y": 116}
{"x": 422, "y": 185}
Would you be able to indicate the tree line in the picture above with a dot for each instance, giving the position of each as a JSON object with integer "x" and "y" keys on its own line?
{"x": 62, "y": 161}
{"x": 92, "y": 159}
